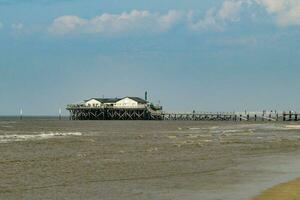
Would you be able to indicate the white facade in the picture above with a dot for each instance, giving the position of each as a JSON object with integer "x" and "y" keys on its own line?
{"x": 127, "y": 102}
{"x": 93, "y": 103}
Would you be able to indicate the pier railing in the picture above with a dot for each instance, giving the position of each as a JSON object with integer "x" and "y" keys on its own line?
{"x": 233, "y": 116}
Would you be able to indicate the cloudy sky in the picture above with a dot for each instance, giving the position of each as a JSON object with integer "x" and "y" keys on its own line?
{"x": 221, "y": 55}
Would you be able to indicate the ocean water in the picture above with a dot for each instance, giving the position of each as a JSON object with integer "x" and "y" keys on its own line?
{"x": 44, "y": 158}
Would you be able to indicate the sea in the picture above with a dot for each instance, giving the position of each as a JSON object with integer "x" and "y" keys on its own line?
{"x": 46, "y": 158}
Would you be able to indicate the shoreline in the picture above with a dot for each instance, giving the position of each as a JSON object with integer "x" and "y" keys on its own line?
{"x": 273, "y": 171}
{"x": 283, "y": 191}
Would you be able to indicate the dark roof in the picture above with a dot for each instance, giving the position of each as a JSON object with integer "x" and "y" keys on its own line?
{"x": 114, "y": 100}
{"x": 138, "y": 99}
{"x": 106, "y": 100}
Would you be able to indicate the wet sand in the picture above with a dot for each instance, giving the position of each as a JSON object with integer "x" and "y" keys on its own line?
{"x": 143, "y": 160}
{"x": 284, "y": 191}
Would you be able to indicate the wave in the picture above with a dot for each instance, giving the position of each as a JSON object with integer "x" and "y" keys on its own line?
{"x": 194, "y": 128}
{"x": 41, "y": 136}
{"x": 8, "y": 122}
{"x": 296, "y": 127}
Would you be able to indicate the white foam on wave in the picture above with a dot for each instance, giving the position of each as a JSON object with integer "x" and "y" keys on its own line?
{"x": 41, "y": 136}
{"x": 7, "y": 126}
{"x": 232, "y": 131}
{"x": 296, "y": 127}
{"x": 8, "y": 122}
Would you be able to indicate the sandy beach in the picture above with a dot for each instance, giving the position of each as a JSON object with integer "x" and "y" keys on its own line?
{"x": 284, "y": 191}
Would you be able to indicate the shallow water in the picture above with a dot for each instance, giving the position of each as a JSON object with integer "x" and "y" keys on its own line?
{"x": 51, "y": 159}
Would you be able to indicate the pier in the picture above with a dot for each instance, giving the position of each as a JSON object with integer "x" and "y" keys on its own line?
{"x": 126, "y": 108}
{"x": 199, "y": 116}
{"x": 135, "y": 108}
{"x": 233, "y": 116}
{"x": 146, "y": 113}
{"x": 110, "y": 113}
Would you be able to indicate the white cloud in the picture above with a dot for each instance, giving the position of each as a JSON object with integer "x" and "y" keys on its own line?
{"x": 273, "y": 5}
{"x": 18, "y": 26}
{"x": 210, "y": 21}
{"x": 66, "y": 24}
{"x": 287, "y": 12}
{"x": 229, "y": 10}
{"x": 134, "y": 21}
{"x": 215, "y": 19}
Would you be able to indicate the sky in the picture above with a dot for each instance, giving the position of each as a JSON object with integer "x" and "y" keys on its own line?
{"x": 221, "y": 55}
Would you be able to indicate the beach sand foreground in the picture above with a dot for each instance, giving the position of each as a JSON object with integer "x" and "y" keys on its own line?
{"x": 284, "y": 191}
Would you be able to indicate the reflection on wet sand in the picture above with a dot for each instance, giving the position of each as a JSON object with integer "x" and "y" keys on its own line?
{"x": 284, "y": 191}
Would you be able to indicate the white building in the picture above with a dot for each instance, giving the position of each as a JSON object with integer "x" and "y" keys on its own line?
{"x": 131, "y": 102}
{"x": 92, "y": 103}
{"x": 101, "y": 102}
{"x": 126, "y": 102}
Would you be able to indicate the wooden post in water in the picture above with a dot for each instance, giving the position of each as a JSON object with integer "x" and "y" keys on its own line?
{"x": 296, "y": 117}
{"x": 248, "y": 117}
{"x": 284, "y": 115}
{"x": 277, "y": 117}
{"x": 290, "y": 115}
{"x": 255, "y": 117}
{"x": 71, "y": 115}
{"x": 59, "y": 113}
{"x": 21, "y": 114}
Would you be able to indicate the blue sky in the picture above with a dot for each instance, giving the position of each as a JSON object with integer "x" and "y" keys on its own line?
{"x": 222, "y": 55}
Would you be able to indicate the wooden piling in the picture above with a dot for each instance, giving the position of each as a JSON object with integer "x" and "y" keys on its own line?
{"x": 59, "y": 113}
{"x": 21, "y": 114}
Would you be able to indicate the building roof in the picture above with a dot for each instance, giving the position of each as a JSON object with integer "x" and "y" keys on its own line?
{"x": 106, "y": 100}
{"x": 114, "y": 100}
{"x": 137, "y": 99}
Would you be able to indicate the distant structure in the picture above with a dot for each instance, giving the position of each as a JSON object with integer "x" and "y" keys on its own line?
{"x": 126, "y": 102}
{"x": 136, "y": 108}
{"x": 126, "y": 108}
